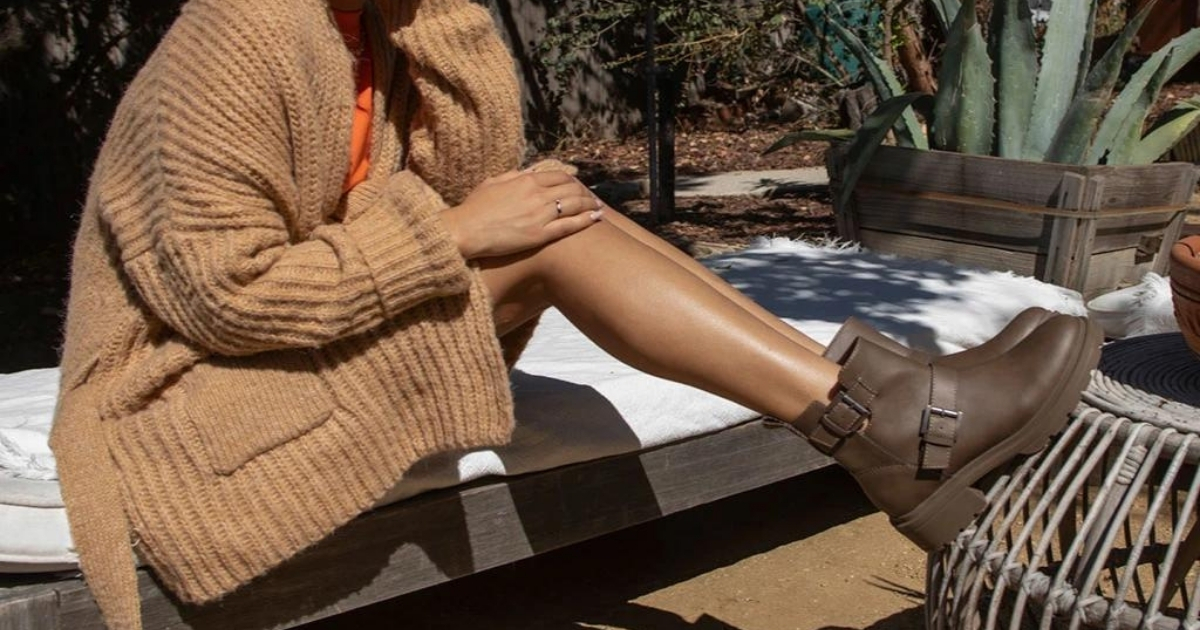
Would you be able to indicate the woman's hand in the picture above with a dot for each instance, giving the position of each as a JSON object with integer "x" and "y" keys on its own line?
{"x": 518, "y": 211}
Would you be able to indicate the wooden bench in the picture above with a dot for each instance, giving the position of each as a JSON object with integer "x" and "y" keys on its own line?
{"x": 448, "y": 534}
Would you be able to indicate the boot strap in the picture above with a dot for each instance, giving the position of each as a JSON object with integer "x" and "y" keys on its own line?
{"x": 848, "y": 415}
{"x": 939, "y": 421}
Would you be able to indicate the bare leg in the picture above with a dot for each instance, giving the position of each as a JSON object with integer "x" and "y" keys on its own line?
{"x": 713, "y": 280}
{"x": 652, "y": 313}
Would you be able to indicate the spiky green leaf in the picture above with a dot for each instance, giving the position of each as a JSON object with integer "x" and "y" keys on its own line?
{"x": 871, "y": 135}
{"x": 964, "y": 107}
{"x": 1063, "y": 55}
{"x": 812, "y": 135}
{"x": 1129, "y": 134}
{"x": 1089, "y": 42}
{"x": 1122, "y": 124}
{"x": 1168, "y": 131}
{"x": 884, "y": 80}
{"x": 1183, "y": 49}
{"x": 1014, "y": 56}
{"x": 946, "y": 11}
{"x": 1074, "y": 135}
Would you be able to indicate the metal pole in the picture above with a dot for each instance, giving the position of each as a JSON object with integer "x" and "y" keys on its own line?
{"x": 651, "y": 70}
{"x": 667, "y": 94}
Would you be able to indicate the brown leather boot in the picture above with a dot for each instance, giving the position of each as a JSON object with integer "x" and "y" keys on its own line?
{"x": 916, "y": 435}
{"x": 1024, "y": 323}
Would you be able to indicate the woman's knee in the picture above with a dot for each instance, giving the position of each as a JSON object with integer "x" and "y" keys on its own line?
{"x": 528, "y": 278}
{"x": 516, "y": 290}
{"x": 581, "y": 248}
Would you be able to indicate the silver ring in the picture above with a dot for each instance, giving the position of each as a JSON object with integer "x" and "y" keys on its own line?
{"x": 558, "y": 206}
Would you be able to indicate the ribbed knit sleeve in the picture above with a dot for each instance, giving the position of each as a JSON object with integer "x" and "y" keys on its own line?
{"x": 467, "y": 126}
{"x": 201, "y": 196}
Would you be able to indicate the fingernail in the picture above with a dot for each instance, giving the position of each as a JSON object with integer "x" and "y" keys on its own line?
{"x": 597, "y": 215}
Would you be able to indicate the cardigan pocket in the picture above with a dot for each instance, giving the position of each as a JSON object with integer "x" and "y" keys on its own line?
{"x": 243, "y": 407}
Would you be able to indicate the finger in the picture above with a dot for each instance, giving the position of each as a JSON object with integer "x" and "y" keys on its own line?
{"x": 503, "y": 177}
{"x": 567, "y": 226}
{"x": 551, "y": 179}
{"x": 553, "y": 165}
{"x": 571, "y": 206}
{"x": 566, "y": 191}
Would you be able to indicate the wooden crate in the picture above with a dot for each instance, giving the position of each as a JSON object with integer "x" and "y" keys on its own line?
{"x": 1089, "y": 228}
{"x": 1191, "y": 225}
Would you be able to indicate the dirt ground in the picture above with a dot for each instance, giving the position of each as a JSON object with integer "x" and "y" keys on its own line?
{"x": 709, "y": 225}
{"x": 804, "y": 554}
{"x": 697, "y": 152}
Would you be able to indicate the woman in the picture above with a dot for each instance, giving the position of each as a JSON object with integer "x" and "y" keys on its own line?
{"x": 307, "y": 261}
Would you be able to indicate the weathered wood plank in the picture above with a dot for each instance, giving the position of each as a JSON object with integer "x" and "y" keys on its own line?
{"x": 1080, "y": 258}
{"x": 891, "y": 211}
{"x": 1132, "y": 232}
{"x": 448, "y": 534}
{"x": 956, "y": 252}
{"x": 835, "y": 166}
{"x": 1106, "y": 269}
{"x": 983, "y": 203}
{"x": 1064, "y": 231}
{"x": 1174, "y": 232}
{"x": 995, "y": 178}
{"x": 1116, "y": 268}
{"x": 1191, "y": 223}
{"x": 1112, "y": 234}
{"x": 29, "y": 608}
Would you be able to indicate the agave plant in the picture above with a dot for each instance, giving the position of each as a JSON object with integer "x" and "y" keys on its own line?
{"x": 1004, "y": 95}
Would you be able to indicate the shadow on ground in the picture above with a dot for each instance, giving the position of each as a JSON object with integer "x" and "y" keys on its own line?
{"x": 637, "y": 617}
{"x": 593, "y": 584}
{"x": 911, "y": 619}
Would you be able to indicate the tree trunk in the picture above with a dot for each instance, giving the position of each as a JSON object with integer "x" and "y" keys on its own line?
{"x": 915, "y": 63}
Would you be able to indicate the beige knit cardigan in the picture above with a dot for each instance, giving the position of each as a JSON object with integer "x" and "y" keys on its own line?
{"x": 251, "y": 360}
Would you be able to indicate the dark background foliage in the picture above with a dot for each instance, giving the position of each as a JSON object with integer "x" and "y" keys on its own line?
{"x": 63, "y": 68}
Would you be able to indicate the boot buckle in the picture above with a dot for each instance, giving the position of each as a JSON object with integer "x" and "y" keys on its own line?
{"x": 859, "y": 412}
{"x": 844, "y": 418}
{"x": 938, "y": 432}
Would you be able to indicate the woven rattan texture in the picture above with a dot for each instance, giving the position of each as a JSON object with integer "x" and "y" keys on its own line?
{"x": 1097, "y": 531}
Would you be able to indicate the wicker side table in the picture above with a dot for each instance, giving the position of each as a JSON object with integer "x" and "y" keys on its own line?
{"x": 1100, "y": 530}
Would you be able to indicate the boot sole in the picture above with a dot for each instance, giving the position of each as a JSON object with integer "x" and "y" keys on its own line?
{"x": 938, "y": 519}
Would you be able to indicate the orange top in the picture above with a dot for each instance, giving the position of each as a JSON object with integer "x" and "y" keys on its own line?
{"x": 350, "y": 24}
